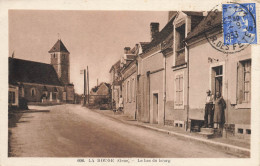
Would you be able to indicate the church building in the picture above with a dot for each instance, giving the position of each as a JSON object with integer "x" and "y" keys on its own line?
{"x": 40, "y": 82}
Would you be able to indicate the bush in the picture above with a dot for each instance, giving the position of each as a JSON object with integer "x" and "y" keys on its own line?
{"x": 23, "y": 104}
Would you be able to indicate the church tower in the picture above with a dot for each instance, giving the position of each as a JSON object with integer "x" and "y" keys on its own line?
{"x": 60, "y": 61}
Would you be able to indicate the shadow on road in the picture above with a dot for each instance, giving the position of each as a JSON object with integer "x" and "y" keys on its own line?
{"x": 23, "y": 121}
{"x": 34, "y": 111}
{"x": 14, "y": 117}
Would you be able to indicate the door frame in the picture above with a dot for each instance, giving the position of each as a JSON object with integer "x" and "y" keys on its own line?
{"x": 213, "y": 65}
{"x": 152, "y": 104}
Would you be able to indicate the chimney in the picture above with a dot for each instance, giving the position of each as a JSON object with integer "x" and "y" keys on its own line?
{"x": 205, "y": 13}
{"x": 154, "y": 29}
{"x": 136, "y": 48}
{"x": 127, "y": 50}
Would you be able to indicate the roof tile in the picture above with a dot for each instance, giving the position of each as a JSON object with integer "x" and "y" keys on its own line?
{"x": 58, "y": 47}
{"x": 32, "y": 72}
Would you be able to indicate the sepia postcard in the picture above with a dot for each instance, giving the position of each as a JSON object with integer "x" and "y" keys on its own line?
{"x": 133, "y": 82}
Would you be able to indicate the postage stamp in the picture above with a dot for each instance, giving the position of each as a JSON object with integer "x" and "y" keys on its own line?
{"x": 239, "y": 25}
{"x": 236, "y": 24}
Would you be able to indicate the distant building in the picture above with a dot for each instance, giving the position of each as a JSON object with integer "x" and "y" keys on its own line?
{"x": 100, "y": 93}
{"x": 116, "y": 83}
{"x": 40, "y": 82}
{"x": 129, "y": 77}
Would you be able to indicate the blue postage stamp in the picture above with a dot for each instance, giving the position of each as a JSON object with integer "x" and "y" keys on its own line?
{"x": 239, "y": 23}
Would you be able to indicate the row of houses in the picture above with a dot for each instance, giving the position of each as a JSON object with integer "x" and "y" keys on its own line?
{"x": 164, "y": 81}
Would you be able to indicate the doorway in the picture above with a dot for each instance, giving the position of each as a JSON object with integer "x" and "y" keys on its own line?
{"x": 155, "y": 108}
{"x": 218, "y": 79}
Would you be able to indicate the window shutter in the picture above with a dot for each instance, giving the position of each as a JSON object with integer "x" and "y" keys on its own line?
{"x": 130, "y": 90}
{"x": 232, "y": 82}
{"x": 177, "y": 90}
{"x": 250, "y": 81}
{"x": 240, "y": 82}
{"x": 181, "y": 90}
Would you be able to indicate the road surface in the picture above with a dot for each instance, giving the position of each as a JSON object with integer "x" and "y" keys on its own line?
{"x": 75, "y": 131}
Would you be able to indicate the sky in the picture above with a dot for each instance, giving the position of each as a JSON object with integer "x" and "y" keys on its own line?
{"x": 94, "y": 38}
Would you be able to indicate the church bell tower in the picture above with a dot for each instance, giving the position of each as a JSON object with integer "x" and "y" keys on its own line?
{"x": 60, "y": 61}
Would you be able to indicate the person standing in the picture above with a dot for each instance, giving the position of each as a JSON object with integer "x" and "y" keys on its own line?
{"x": 219, "y": 115}
{"x": 121, "y": 103}
{"x": 209, "y": 111}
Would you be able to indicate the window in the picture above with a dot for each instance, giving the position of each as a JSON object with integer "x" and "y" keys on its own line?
{"x": 54, "y": 55}
{"x": 127, "y": 91}
{"x": 133, "y": 89}
{"x": 11, "y": 98}
{"x": 244, "y": 82}
{"x": 33, "y": 92}
{"x": 181, "y": 36}
{"x": 179, "y": 90}
{"x": 248, "y": 131}
{"x": 55, "y": 93}
{"x": 180, "y": 45}
{"x": 239, "y": 130}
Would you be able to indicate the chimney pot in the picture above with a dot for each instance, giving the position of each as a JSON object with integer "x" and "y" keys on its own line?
{"x": 127, "y": 50}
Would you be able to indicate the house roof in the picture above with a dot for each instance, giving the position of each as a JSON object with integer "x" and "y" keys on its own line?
{"x": 202, "y": 28}
{"x": 161, "y": 36}
{"x": 130, "y": 57}
{"x": 32, "y": 72}
{"x": 193, "y": 13}
{"x": 58, "y": 47}
{"x": 115, "y": 66}
{"x": 144, "y": 45}
{"x": 96, "y": 88}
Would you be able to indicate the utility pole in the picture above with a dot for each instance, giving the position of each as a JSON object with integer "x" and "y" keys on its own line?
{"x": 88, "y": 84}
{"x": 84, "y": 103}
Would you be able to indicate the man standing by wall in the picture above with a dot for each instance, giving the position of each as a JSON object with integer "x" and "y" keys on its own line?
{"x": 209, "y": 110}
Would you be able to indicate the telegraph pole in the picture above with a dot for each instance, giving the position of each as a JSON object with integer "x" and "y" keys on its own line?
{"x": 84, "y": 103}
{"x": 88, "y": 83}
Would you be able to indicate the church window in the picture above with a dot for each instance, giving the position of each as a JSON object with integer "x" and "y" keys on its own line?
{"x": 55, "y": 93}
{"x": 33, "y": 92}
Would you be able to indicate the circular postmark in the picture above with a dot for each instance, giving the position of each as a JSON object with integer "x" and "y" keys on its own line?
{"x": 230, "y": 30}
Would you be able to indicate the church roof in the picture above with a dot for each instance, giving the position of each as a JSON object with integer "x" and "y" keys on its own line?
{"x": 32, "y": 72}
{"x": 58, "y": 47}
